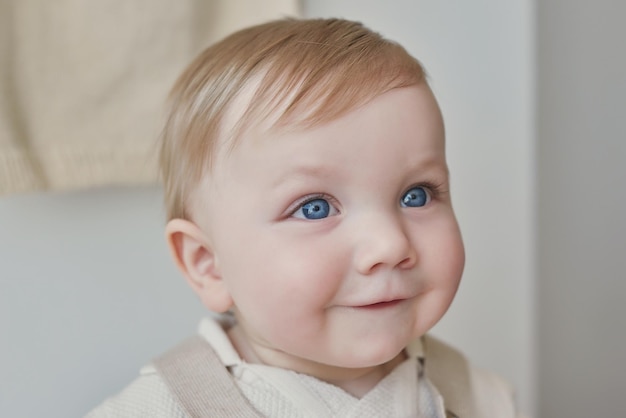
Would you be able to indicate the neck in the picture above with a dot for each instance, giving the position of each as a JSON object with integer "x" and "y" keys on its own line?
{"x": 355, "y": 381}
{"x": 360, "y": 385}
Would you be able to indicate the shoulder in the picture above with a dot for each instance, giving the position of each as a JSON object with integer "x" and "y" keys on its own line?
{"x": 147, "y": 396}
{"x": 471, "y": 391}
{"x": 493, "y": 395}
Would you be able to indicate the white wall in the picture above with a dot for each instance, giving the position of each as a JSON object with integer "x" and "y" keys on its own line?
{"x": 88, "y": 294}
{"x": 481, "y": 62}
{"x": 582, "y": 208}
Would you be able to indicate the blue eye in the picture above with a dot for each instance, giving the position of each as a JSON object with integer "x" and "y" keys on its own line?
{"x": 314, "y": 209}
{"x": 415, "y": 198}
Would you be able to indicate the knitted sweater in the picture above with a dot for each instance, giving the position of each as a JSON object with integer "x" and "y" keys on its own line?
{"x": 277, "y": 392}
{"x": 82, "y": 83}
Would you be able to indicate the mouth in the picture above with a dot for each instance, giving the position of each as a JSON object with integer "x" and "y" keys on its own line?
{"x": 381, "y": 305}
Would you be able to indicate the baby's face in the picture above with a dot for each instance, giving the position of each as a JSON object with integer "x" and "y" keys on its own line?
{"x": 338, "y": 244}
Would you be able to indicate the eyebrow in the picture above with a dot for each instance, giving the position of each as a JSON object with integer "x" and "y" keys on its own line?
{"x": 305, "y": 172}
{"x": 315, "y": 171}
{"x": 433, "y": 164}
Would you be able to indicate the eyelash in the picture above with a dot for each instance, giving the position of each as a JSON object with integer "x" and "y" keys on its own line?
{"x": 309, "y": 198}
{"x": 434, "y": 189}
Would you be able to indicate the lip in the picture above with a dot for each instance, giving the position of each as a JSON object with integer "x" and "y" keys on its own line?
{"x": 381, "y": 305}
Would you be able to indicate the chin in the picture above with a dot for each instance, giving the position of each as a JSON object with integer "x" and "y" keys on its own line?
{"x": 373, "y": 355}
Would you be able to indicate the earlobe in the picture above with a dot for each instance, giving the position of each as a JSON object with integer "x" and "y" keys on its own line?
{"x": 196, "y": 259}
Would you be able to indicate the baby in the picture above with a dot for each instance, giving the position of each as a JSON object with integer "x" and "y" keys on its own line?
{"x": 308, "y": 199}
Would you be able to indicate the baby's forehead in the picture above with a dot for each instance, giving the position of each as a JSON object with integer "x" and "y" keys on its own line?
{"x": 253, "y": 118}
{"x": 271, "y": 124}
{"x": 290, "y": 106}
{"x": 251, "y": 109}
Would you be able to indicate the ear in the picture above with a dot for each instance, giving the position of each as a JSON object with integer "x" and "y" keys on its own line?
{"x": 196, "y": 259}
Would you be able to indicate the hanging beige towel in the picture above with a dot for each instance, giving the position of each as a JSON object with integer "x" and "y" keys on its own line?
{"x": 83, "y": 82}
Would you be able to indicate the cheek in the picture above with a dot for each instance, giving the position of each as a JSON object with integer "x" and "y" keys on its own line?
{"x": 310, "y": 271}
{"x": 445, "y": 251}
{"x": 442, "y": 262}
{"x": 451, "y": 261}
{"x": 443, "y": 258}
{"x": 283, "y": 292}
{"x": 457, "y": 257}
{"x": 288, "y": 274}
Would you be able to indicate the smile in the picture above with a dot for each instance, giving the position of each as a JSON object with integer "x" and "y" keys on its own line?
{"x": 381, "y": 305}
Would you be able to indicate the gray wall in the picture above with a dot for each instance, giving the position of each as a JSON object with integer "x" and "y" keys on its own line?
{"x": 87, "y": 295}
{"x": 581, "y": 250}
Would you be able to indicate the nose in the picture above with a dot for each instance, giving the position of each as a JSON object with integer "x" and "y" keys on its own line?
{"x": 383, "y": 242}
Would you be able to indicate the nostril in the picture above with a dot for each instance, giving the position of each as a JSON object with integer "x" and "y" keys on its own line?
{"x": 407, "y": 263}
{"x": 374, "y": 268}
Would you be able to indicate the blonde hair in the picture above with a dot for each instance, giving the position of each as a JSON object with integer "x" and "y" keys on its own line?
{"x": 308, "y": 71}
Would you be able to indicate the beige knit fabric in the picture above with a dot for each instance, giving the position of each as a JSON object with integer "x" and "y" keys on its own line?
{"x": 83, "y": 82}
{"x": 276, "y": 392}
{"x": 281, "y": 393}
